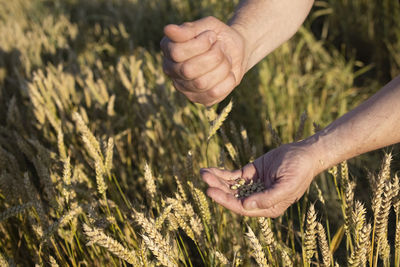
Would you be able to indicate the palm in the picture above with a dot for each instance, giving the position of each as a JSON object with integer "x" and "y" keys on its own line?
{"x": 286, "y": 173}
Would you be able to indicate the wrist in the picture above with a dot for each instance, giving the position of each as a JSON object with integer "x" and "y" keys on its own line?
{"x": 323, "y": 155}
{"x": 243, "y": 34}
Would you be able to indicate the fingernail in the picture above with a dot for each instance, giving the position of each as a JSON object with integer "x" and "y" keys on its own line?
{"x": 251, "y": 206}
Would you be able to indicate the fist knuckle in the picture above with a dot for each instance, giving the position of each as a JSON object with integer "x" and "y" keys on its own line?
{"x": 213, "y": 93}
{"x": 200, "y": 83}
{"x": 276, "y": 214}
{"x": 211, "y": 19}
{"x": 187, "y": 24}
{"x": 218, "y": 56}
{"x": 175, "y": 53}
{"x": 186, "y": 71}
{"x": 193, "y": 98}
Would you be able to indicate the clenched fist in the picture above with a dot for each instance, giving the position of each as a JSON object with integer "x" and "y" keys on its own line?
{"x": 205, "y": 59}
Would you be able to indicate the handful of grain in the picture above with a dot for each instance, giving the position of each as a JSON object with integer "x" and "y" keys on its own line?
{"x": 246, "y": 189}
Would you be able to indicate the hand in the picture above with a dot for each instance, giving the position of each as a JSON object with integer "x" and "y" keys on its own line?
{"x": 286, "y": 172}
{"x": 205, "y": 59}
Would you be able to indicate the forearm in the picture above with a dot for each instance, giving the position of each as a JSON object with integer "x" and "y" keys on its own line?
{"x": 266, "y": 24}
{"x": 372, "y": 125}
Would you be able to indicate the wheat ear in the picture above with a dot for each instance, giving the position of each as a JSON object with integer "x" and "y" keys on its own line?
{"x": 256, "y": 246}
{"x": 158, "y": 252}
{"x": 310, "y": 244}
{"x": 96, "y": 236}
{"x": 323, "y": 245}
{"x": 217, "y": 123}
{"x": 201, "y": 202}
{"x": 221, "y": 257}
{"x": 150, "y": 183}
{"x": 14, "y": 211}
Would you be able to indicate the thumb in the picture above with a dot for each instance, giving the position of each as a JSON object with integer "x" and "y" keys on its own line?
{"x": 189, "y": 30}
{"x": 266, "y": 199}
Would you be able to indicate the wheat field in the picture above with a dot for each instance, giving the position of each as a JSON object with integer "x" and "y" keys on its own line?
{"x": 100, "y": 156}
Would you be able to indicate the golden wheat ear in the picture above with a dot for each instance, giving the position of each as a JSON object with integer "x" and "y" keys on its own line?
{"x": 217, "y": 123}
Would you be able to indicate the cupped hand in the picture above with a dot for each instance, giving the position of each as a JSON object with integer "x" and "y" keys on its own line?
{"x": 205, "y": 59}
{"x": 286, "y": 172}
